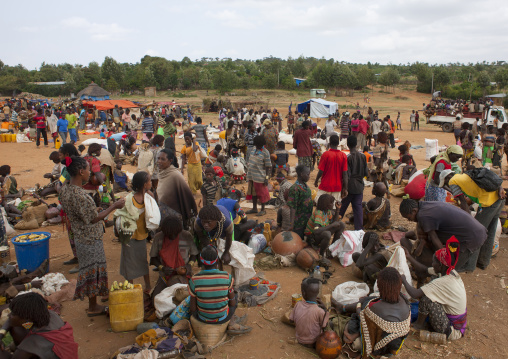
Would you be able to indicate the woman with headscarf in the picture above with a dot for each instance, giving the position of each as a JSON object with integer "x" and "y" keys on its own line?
{"x": 443, "y": 300}
{"x": 271, "y": 136}
{"x": 445, "y": 160}
{"x": 172, "y": 189}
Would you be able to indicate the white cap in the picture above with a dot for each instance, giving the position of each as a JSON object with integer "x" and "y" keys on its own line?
{"x": 443, "y": 176}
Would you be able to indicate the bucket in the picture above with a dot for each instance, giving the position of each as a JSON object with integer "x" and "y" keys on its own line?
{"x": 58, "y": 143}
{"x": 30, "y": 255}
{"x": 126, "y": 309}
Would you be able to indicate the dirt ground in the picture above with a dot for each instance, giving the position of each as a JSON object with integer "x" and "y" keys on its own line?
{"x": 487, "y": 298}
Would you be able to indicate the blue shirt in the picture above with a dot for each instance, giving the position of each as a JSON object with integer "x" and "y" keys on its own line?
{"x": 62, "y": 124}
{"x": 229, "y": 204}
{"x": 103, "y": 116}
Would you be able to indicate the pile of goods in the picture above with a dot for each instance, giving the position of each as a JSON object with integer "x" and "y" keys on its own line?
{"x": 122, "y": 286}
{"x": 24, "y": 238}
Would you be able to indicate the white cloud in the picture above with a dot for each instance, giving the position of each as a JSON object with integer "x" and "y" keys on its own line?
{"x": 151, "y": 52}
{"x": 97, "y": 31}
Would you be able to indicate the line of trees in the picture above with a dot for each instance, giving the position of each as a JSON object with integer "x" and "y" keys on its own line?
{"x": 223, "y": 75}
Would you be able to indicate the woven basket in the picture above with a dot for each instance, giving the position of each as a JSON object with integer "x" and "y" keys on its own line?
{"x": 209, "y": 334}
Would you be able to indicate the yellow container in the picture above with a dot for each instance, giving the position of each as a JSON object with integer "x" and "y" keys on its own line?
{"x": 126, "y": 309}
{"x": 13, "y": 138}
{"x": 58, "y": 143}
{"x": 2, "y": 137}
{"x": 7, "y": 137}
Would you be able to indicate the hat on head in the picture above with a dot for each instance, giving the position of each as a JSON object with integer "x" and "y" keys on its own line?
{"x": 346, "y": 113}
{"x": 267, "y": 122}
{"x": 443, "y": 175}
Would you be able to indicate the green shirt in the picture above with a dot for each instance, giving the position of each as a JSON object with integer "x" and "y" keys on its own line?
{"x": 300, "y": 199}
{"x": 169, "y": 130}
{"x": 72, "y": 120}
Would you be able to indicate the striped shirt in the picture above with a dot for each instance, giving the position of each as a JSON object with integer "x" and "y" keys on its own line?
{"x": 211, "y": 288}
{"x": 258, "y": 161}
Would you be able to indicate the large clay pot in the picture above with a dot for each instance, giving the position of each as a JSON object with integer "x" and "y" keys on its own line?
{"x": 286, "y": 243}
{"x": 306, "y": 257}
{"x": 328, "y": 345}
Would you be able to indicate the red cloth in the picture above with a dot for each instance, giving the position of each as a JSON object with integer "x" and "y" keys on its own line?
{"x": 355, "y": 125}
{"x": 64, "y": 345}
{"x": 170, "y": 253}
{"x": 262, "y": 192}
{"x": 41, "y": 121}
{"x": 444, "y": 256}
{"x": 447, "y": 166}
{"x": 416, "y": 188}
{"x": 95, "y": 166}
{"x": 332, "y": 163}
{"x": 363, "y": 127}
{"x": 301, "y": 141}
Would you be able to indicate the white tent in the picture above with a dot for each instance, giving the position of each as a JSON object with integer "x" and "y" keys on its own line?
{"x": 318, "y": 107}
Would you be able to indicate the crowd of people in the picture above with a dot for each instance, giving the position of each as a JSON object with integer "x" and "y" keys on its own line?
{"x": 185, "y": 226}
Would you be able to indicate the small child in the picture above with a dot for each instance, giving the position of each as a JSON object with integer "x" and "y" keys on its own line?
{"x": 283, "y": 185}
{"x": 236, "y": 166}
{"x": 300, "y": 201}
{"x": 103, "y": 134}
{"x": 372, "y": 259}
{"x": 490, "y": 151}
{"x": 404, "y": 170}
{"x": 381, "y": 156}
{"x": 324, "y": 225}
{"x": 213, "y": 155}
{"x": 368, "y": 157}
{"x": 376, "y": 212}
{"x": 81, "y": 149}
{"x": 284, "y": 213}
{"x": 309, "y": 318}
{"x": 9, "y": 184}
{"x": 210, "y": 187}
{"x": 121, "y": 183}
{"x": 282, "y": 157}
{"x": 54, "y": 177}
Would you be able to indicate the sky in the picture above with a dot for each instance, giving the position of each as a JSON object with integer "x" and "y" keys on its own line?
{"x": 383, "y": 31}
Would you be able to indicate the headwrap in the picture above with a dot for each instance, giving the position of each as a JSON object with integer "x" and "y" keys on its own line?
{"x": 444, "y": 156}
{"x": 212, "y": 262}
{"x": 444, "y": 255}
{"x": 68, "y": 161}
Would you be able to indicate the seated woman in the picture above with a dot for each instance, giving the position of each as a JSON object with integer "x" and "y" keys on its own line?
{"x": 214, "y": 223}
{"x": 173, "y": 252}
{"x": 443, "y": 300}
{"x": 128, "y": 145}
{"x": 214, "y": 283}
{"x": 37, "y": 331}
{"x": 172, "y": 189}
{"x": 379, "y": 325}
{"x": 372, "y": 259}
{"x": 9, "y": 184}
{"x": 376, "y": 212}
{"x": 242, "y": 225}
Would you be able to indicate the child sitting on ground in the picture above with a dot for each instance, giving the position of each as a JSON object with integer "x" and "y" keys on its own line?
{"x": 103, "y": 134}
{"x": 9, "y": 184}
{"x": 121, "y": 183}
{"x": 376, "y": 212}
{"x": 309, "y": 318}
{"x": 324, "y": 224}
{"x": 236, "y": 166}
{"x": 372, "y": 259}
{"x": 212, "y": 156}
{"x": 210, "y": 187}
{"x": 404, "y": 170}
{"x": 281, "y": 163}
{"x": 404, "y": 151}
{"x": 284, "y": 214}
{"x": 282, "y": 185}
{"x": 54, "y": 177}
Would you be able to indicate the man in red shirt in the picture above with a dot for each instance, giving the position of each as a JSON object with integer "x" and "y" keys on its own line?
{"x": 332, "y": 172}
{"x": 363, "y": 127}
{"x": 391, "y": 136}
{"x": 303, "y": 146}
{"x": 40, "y": 121}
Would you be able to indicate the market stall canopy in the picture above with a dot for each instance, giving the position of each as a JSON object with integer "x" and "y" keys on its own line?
{"x": 93, "y": 92}
{"x": 318, "y": 107}
{"x": 109, "y": 104}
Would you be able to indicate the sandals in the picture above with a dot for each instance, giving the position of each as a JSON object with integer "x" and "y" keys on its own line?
{"x": 238, "y": 329}
{"x": 252, "y": 211}
{"x": 262, "y": 213}
{"x": 104, "y": 311}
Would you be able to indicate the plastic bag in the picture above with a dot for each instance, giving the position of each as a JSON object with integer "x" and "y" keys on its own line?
{"x": 163, "y": 301}
{"x": 242, "y": 260}
{"x": 257, "y": 243}
{"x": 350, "y": 292}
{"x": 9, "y": 231}
{"x": 350, "y": 242}
{"x": 431, "y": 148}
{"x": 398, "y": 261}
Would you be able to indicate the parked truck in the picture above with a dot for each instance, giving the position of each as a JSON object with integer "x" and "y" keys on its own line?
{"x": 445, "y": 120}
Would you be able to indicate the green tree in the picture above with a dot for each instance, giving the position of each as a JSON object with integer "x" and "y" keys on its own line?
{"x": 365, "y": 76}
{"x": 501, "y": 77}
{"x": 112, "y": 70}
{"x": 389, "y": 78}
{"x": 483, "y": 80}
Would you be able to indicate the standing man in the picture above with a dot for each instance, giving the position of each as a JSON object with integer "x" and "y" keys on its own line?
{"x": 417, "y": 121}
{"x": 376, "y": 128}
{"x": 71, "y": 127}
{"x": 116, "y": 117}
{"x": 363, "y": 128}
{"x": 332, "y": 172}
{"x": 344, "y": 126}
{"x": 258, "y": 173}
{"x": 303, "y": 146}
{"x": 412, "y": 118}
{"x": 147, "y": 127}
{"x": 391, "y": 134}
{"x": 356, "y": 170}
{"x": 330, "y": 125}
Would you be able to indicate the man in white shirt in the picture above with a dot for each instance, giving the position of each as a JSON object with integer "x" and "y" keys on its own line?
{"x": 376, "y": 128}
{"x": 412, "y": 119}
{"x": 330, "y": 126}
